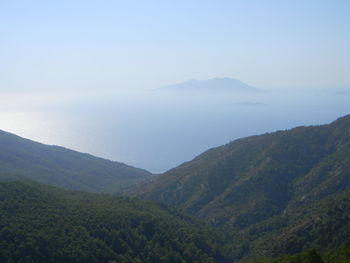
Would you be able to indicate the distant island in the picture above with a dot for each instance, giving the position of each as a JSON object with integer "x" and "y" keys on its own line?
{"x": 211, "y": 85}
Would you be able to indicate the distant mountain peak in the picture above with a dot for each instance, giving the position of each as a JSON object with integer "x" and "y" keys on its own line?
{"x": 211, "y": 85}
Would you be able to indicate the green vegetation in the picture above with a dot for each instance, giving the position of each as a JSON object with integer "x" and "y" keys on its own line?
{"x": 280, "y": 197}
{"x": 44, "y": 224}
{"x": 40, "y": 223}
{"x": 277, "y": 193}
{"x": 324, "y": 225}
{"x": 57, "y": 166}
{"x": 340, "y": 255}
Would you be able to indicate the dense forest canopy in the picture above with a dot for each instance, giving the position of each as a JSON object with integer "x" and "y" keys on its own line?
{"x": 62, "y": 167}
{"x": 275, "y": 193}
{"x": 279, "y": 197}
{"x": 45, "y": 224}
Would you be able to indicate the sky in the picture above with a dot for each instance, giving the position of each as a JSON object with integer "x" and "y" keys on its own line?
{"x": 101, "y": 46}
{"x": 84, "y": 74}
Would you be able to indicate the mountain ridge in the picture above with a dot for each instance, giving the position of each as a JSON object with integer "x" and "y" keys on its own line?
{"x": 263, "y": 153}
{"x": 266, "y": 195}
{"x": 211, "y": 85}
{"x": 267, "y": 187}
{"x": 59, "y": 166}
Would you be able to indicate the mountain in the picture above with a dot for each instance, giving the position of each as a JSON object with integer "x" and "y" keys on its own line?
{"x": 255, "y": 177}
{"x": 323, "y": 225}
{"x": 40, "y": 223}
{"x": 211, "y": 85}
{"x": 273, "y": 193}
{"x": 340, "y": 255}
{"x": 270, "y": 195}
{"x": 53, "y": 165}
{"x": 44, "y": 224}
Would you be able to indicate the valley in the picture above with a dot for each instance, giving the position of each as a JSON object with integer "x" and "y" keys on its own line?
{"x": 255, "y": 198}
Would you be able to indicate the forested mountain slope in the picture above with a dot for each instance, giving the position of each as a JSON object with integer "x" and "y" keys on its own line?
{"x": 339, "y": 255}
{"x": 277, "y": 193}
{"x": 41, "y": 223}
{"x": 62, "y": 167}
{"x": 322, "y": 225}
{"x": 254, "y": 178}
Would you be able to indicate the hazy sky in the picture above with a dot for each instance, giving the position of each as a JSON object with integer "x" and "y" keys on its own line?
{"x": 106, "y": 45}
{"x": 51, "y": 51}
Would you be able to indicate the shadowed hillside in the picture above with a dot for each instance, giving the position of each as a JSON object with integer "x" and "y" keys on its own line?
{"x": 274, "y": 193}
{"x": 45, "y": 224}
{"x": 62, "y": 167}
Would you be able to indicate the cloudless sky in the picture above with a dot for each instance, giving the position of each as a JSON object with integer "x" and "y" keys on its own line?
{"x": 118, "y": 45}
{"x": 65, "y": 65}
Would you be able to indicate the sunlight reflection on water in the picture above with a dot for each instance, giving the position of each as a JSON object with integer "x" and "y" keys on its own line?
{"x": 158, "y": 131}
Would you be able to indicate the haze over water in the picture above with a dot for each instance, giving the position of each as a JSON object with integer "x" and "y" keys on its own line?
{"x": 83, "y": 74}
{"x": 158, "y": 131}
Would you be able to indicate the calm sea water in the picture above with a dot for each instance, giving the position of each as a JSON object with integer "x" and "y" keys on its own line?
{"x": 158, "y": 131}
